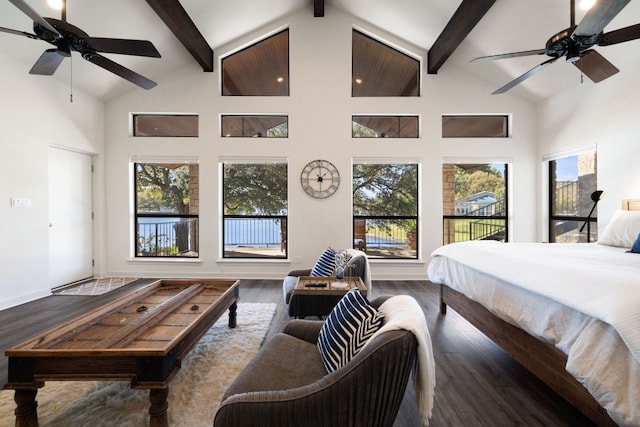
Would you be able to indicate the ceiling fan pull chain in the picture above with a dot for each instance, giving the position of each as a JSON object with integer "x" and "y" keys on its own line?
{"x": 71, "y": 80}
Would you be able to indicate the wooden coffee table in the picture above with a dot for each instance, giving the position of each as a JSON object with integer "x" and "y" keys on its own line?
{"x": 310, "y": 300}
{"x": 141, "y": 337}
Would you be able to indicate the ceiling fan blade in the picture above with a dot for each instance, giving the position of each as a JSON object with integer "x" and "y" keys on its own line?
{"x": 595, "y": 66}
{"x": 18, "y": 33}
{"x": 121, "y": 71}
{"x": 122, "y": 46}
{"x": 599, "y": 16}
{"x": 48, "y": 62}
{"x": 525, "y": 76}
{"x": 511, "y": 55}
{"x": 35, "y": 17}
{"x": 619, "y": 36}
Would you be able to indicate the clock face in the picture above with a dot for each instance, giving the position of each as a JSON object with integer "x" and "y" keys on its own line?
{"x": 320, "y": 179}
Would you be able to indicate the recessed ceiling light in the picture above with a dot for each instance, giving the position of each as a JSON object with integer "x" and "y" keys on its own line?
{"x": 55, "y": 4}
{"x": 359, "y": 81}
{"x": 280, "y": 79}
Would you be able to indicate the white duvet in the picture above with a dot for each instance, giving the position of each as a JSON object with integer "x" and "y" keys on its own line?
{"x": 583, "y": 298}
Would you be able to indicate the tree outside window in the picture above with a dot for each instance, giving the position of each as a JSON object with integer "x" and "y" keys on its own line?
{"x": 167, "y": 199}
{"x": 385, "y": 209}
{"x": 255, "y": 210}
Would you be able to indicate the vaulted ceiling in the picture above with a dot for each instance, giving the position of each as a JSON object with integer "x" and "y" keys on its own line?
{"x": 450, "y": 34}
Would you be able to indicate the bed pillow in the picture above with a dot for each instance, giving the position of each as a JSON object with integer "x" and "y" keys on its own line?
{"x": 636, "y": 246}
{"x": 347, "y": 328}
{"x": 623, "y": 229}
{"x": 326, "y": 264}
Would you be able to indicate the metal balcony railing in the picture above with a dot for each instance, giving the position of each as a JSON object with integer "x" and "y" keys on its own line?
{"x": 167, "y": 236}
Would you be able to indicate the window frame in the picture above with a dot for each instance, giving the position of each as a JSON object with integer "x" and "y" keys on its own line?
{"x": 282, "y": 217}
{"x": 506, "y": 125}
{"x": 592, "y": 224}
{"x": 412, "y": 241}
{"x": 253, "y": 116}
{"x": 446, "y": 231}
{"x": 136, "y": 116}
{"x": 191, "y": 217}
{"x": 399, "y": 126}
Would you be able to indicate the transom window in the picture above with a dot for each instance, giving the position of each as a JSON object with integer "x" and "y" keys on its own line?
{"x": 380, "y": 70}
{"x": 256, "y": 126}
{"x": 478, "y": 126}
{"x": 166, "y": 209}
{"x": 255, "y": 208}
{"x": 385, "y": 209}
{"x": 384, "y": 126}
{"x": 261, "y": 69}
{"x": 165, "y": 125}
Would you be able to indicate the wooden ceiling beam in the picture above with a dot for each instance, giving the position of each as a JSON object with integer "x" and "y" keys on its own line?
{"x": 318, "y": 8}
{"x": 459, "y": 26}
{"x": 177, "y": 19}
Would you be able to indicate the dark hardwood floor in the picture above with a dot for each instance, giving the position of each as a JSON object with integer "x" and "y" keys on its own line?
{"x": 478, "y": 384}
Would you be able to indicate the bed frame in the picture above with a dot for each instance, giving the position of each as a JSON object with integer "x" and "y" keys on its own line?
{"x": 541, "y": 358}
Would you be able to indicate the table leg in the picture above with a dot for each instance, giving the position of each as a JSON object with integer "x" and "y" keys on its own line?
{"x": 26, "y": 407}
{"x": 232, "y": 315}
{"x": 158, "y": 408}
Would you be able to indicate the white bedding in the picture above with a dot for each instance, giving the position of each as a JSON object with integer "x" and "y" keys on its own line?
{"x": 577, "y": 301}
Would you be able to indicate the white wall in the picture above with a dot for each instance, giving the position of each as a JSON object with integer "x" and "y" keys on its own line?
{"x": 35, "y": 113}
{"x": 606, "y": 116}
{"x": 319, "y": 109}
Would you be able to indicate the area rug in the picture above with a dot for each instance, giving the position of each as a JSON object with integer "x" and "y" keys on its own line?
{"x": 98, "y": 286}
{"x": 194, "y": 393}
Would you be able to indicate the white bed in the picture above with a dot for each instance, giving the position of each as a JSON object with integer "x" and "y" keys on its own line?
{"x": 581, "y": 299}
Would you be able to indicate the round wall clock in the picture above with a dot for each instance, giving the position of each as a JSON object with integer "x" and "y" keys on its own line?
{"x": 320, "y": 179}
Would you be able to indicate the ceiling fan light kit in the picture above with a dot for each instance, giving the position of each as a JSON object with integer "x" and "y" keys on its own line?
{"x": 575, "y": 44}
{"x": 67, "y": 38}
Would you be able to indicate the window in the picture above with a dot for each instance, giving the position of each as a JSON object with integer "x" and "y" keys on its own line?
{"x": 258, "y": 126}
{"x": 474, "y": 202}
{"x": 572, "y": 180}
{"x": 165, "y": 125}
{"x": 385, "y": 209}
{"x": 475, "y": 126}
{"x": 384, "y": 126}
{"x": 166, "y": 209}
{"x": 255, "y": 209}
{"x": 380, "y": 70}
{"x": 258, "y": 70}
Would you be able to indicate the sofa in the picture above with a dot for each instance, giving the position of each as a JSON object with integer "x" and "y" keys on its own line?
{"x": 286, "y": 383}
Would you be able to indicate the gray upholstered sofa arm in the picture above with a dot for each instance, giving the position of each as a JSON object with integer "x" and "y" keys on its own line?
{"x": 307, "y": 330}
{"x": 366, "y": 392}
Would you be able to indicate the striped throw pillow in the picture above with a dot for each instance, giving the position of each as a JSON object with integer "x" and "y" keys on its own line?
{"x": 347, "y": 328}
{"x": 326, "y": 264}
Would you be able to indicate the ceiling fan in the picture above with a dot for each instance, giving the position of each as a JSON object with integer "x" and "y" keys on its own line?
{"x": 66, "y": 38}
{"x": 575, "y": 44}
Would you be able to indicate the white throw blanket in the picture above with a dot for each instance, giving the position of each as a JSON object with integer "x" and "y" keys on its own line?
{"x": 366, "y": 277}
{"x": 404, "y": 312}
{"x": 598, "y": 280}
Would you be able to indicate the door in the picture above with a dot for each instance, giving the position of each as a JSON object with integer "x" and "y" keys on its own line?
{"x": 70, "y": 217}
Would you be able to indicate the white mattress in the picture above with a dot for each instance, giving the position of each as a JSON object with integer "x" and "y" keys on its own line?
{"x": 597, "y": 355}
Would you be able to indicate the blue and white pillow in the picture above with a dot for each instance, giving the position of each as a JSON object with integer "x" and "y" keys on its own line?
{"x": 347, "y": 328}
{"x": 326, "y": 264}
{"x": 636, "y": 246}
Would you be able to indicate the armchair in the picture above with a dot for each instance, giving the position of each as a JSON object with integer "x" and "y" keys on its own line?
{"x": 286, "y": 384}
{"x": 358, "y": 266}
